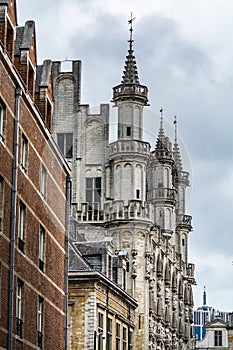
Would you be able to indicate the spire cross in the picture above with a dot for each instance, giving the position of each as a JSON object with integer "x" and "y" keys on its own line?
{"x": 131, "y": 30}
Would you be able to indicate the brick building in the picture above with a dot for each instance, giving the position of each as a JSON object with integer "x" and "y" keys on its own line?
{"x": 33, "y": 188}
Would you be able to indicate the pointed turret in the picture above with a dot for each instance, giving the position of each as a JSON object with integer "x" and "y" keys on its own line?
{"x": 163, "y": 145}
{"x": 176, "y": 151}
{"x": 130, "y": 87}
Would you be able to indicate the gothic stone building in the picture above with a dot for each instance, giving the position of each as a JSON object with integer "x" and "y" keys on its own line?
{"x": 33, "y": 176}
{"x": 133, "y": 195}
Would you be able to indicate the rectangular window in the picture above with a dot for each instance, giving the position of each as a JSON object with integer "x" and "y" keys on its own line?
{"x": 1, "y": 201}
{"x": 43, "y": 186}
{"x": 100, "y": 330}
{"x": 118, "y": 336}
{"x": 19, "y": 309}
{"x": 137, "y": 194}
{"x": 65, "y": 143}
{"x": 128, "y": 130}
{"x": 21, "y": 230}
{"x": 124, "y": 339}
{"x": 130, "y": 340}
{"x": 109, "y": 334}
{"x": 93, "y": 196}
{"x": 217, "y": 338}
{"x": 40, "y": 322}
{"x": 24, "y": 153}
{"x": 41, "y": 248}
{"x": 2, "y": 120}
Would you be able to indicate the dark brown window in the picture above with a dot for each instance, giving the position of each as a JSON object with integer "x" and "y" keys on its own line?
{"x": 65, "y": 143}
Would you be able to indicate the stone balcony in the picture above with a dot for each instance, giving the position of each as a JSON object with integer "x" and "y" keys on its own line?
{"x": 130, "y": 91}
{"x": 116, "y": 210}
{"x": 129, "y": 146}
{"x": 162, "y": 194}
{"x": 184, "y": 220}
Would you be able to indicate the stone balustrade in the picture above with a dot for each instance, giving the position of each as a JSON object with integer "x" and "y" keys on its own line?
{"x": 162, "y": 193}
{"x": 115, "y": 210}
{"x": 129, "y": 146}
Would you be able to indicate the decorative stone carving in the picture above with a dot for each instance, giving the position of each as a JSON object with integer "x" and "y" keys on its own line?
{"x": 167, "y": 295}
{"x": 159, "y": 287}
{"x": 174, "y": 302}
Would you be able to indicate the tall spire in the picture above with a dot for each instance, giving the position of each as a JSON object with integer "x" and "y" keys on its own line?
{"x": 130, "y": 87}
{"x": 130, "y": 73}
{"x": 176, "y": 150}
{"x": 161, "y": 135}
{"x": 163, "y": 145}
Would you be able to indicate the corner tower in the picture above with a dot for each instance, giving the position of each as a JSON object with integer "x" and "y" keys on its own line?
{"x": 129, "y": 154}
{"x": 130, "y": 97}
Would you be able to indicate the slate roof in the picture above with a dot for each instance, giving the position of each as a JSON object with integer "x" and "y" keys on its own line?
{"x": 76, "y": 261}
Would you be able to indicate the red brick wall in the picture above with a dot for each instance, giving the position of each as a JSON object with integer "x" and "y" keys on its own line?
{"x": 49, "y": 213}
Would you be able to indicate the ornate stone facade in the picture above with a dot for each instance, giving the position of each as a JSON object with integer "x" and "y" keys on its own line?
{"x": 134, "y": 195}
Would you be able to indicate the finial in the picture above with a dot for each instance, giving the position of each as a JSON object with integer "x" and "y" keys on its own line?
{"x": 131, "y": 30}
{"x": 175, "y": 123}
{"x": 161, "y": 118}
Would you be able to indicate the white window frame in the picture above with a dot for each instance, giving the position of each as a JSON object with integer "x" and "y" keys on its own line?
{"x": 21, "y": 226}
{"x": 41, "y": 248}
{"x": 19, "y": 308}
{"x": 40, "y": 321}
{"x": 43, "y": 186}
{"x": 24, "y": 153}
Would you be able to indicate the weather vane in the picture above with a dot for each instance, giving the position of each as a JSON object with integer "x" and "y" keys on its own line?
{"x": 131, "y": 29}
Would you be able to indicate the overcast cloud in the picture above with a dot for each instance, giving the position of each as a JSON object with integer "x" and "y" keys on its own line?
{"x": 184, "y": 54}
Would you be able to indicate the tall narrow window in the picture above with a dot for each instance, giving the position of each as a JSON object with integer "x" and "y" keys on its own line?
{"x": 65, "y": 143}
{"x": 24, "y": 153}
{"x": 19, "y": 309}
{"x": 118, "y": 336}
{"x": 100, "y": 330}
{"x": 93, "y": 196}
{"x": 109, "y": 334}
{"x": 130, "y": 340}
{"x": 124, "y": 339}
{"x": 2, "y": 120}
{"x": 40, "y": 317}
{"x": 21, "y": 230}
{"x": 1, "y": 201}
{"x": 217, "y": 338}
{"x": 43, "y": 186}
{"x": 41, "y": 248}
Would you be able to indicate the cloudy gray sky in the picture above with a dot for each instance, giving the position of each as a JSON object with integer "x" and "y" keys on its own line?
{"x": 184, "y": 53}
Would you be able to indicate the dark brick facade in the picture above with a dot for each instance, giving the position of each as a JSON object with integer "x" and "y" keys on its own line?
{"x": 41, "y": 281}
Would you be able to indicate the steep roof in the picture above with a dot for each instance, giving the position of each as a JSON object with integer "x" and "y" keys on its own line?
{"x": 76, "y": 261}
